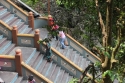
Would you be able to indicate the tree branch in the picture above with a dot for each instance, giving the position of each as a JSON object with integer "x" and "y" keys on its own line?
{"x": 99, "y": 15}
{"x": 104, "y": 33}
{"x": 115, "y": 49}
{"x": 105, "y": 62}
{"x": 101, "y": 24}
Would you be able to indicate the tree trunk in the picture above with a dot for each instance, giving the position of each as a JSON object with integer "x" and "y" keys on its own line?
{"x": 107, "y": 39}
{"x": 107, "y": 78}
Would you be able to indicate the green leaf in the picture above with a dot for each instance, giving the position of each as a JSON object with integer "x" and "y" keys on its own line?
{"x": 107, "y": 54}
{"x": 121, "y": 51}
{"x": 97, "y": 64}
{"x": 108, "y": 72}
{"x": 105, "y": 73}
{"x": 113, "y": 77}
{"x": 74, "y": 80}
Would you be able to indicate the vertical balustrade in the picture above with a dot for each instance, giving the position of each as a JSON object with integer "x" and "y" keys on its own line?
{"x": 14, "y": 35}
{"x": 18, "y": 60}
{"x": 36, "y": 38}
{"x": 31, "y": 20}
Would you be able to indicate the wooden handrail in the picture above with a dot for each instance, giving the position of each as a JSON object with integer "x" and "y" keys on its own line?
{"x": 83, "y": 47}
{"x": 25, "y": 35}
{"x": 36, "y": 72}
{"x": 66, "y": 59}
{"x": 7, "y": 56}
{"x": 4, "y": 24}
{"x": 46, "y": 18}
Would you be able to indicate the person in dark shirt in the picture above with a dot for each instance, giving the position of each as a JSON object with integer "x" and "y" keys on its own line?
{"x": 48, "y": 51}
{"x": 31, "y": 79}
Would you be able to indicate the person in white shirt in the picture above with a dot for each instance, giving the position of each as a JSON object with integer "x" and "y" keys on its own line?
{"x": 62, "y": 39}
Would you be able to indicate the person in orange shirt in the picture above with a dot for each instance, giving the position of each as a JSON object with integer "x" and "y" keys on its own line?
{"x": 50, "y": 20}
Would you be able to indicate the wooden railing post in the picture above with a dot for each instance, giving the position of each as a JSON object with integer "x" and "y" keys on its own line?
{"x": 31, "y": 20}
{"x": 18, "y": 60}
{"x": 14, "y": 34}
{"x": 36, "y": 38}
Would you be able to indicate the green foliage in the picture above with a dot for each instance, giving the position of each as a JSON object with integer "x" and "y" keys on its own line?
{"x": 44, "y": 40}
{"x": 30, "y": 2}
{"x": 74, "y": 80}
{"x": 86, "y": 12}
{"x": 68, "y": 4}
{"x": 120, "y": 66}
{"x": 34, "y": 4}
{"x": 85, "y": 80}
{"x": 97, "y": 64}
{"x": 84, "y": 36}
{"x": 113, "y": 75}
{"x": 107, "y": 54}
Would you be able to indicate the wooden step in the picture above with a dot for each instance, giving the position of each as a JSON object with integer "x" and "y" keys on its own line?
{"x": 40, "y": 57}
{"x": 55, "y": 74}
{"x": 46, "y": 68}
{"x": 8, "y": 77}
{"x": 4, "y": 46}
{"x": 60, "y": 76}
{"x": 23, "y": 28}
{"x": 19, "y": 79}
{"x": 28, "y": 30}
{"x": 41, "y": 65}
{"x": 8, "y": 17}
{"x": 12, "y": 21}
{"x": 51, "y": 70}
{"x": 2, "y": 11}
{"x": 16, "y": 22}
{"x": 34, "y": 58}
{"x": 4, "y": 15}
{"x": 20, "y": 25}
{"x": 9, "y": 49}
{"x": 2, "y": 41}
